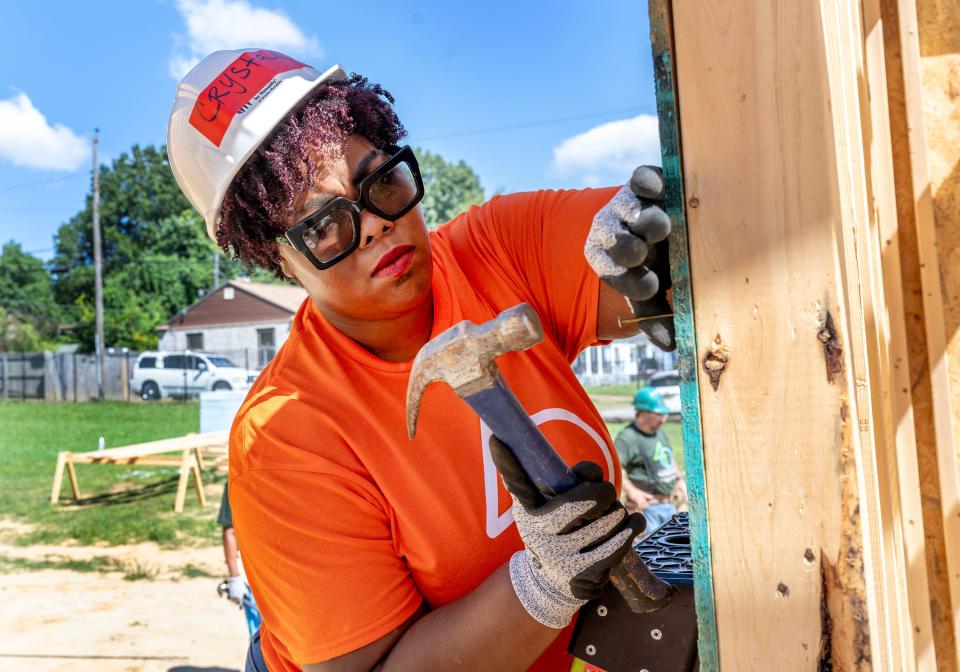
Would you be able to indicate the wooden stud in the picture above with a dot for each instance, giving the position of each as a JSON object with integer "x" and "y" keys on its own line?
{"x": 199, "y": 456}
{"x": 185, "y": 464}
{"x": 861, "y": 296}
{"x": 74, "y": 486}
{"x": 195, "y": 469}
{"x": 759, "y": 212}
{"x": 58, "y": 478}
{"x": 662, "y": 43}
{"x": 897, "y": 451}
{"x": 924, "y": 304}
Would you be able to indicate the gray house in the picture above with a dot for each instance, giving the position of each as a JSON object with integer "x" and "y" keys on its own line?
{"x": 245, "y": 321}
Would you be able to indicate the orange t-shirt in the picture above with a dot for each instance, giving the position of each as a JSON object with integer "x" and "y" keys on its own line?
{"x": 346, "y": 525}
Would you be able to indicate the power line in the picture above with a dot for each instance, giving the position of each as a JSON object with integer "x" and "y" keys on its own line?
{"x": 98, "y": 266}
{"x": 531, "y": 124}
{"x": 39, "y": 182}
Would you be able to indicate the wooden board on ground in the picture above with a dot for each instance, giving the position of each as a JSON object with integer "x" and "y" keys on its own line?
{"x": 191, "y": 453}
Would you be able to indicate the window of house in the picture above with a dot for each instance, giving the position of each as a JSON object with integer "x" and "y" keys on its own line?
{"x": 195, "y": 341}
{"x": 266, "y": 346}
{"x": 227, "y": 293}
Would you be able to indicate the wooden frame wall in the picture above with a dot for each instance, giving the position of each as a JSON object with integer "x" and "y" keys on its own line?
{"x": 807, "y": 521}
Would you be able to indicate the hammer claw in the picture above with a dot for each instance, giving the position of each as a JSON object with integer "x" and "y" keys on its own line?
{"x": 463, "y": 355}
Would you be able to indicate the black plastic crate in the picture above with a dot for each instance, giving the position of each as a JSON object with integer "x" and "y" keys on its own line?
{"x": 667, "y": 551}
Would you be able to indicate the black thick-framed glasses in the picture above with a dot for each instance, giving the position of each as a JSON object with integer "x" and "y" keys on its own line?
{"x": 331, "y": 233}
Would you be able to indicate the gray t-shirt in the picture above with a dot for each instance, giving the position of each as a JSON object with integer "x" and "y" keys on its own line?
{"x": 225, "y": 517}
{"x": 647, "y": 459}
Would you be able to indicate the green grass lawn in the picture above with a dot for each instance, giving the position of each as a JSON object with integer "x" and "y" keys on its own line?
{"x": 619, "y": 390}
{"x": 607, "y": 403}
{"x": 120, "y": 504}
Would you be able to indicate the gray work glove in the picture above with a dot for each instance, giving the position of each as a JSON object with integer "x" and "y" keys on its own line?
{"x": 627, "y": 248}
{"x": 236, "y": 589}
{"x": 572, "y": 541}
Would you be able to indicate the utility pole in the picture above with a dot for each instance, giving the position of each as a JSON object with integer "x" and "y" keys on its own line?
{"x": 216, "y": 269}
{"x": 98, "y": 267}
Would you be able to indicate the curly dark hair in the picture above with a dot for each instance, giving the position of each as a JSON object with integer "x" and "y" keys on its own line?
{"x": 259, "y": 202}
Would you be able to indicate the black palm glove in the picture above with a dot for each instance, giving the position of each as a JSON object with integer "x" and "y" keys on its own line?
{"x": 572, "y": 540}
{"x": 627, "y": 248}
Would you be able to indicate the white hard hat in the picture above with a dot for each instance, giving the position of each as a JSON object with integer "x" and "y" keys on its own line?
{"x": 224, "y": 110}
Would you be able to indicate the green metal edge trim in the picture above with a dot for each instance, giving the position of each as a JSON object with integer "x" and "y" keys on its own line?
{"x": 661, "y": 39}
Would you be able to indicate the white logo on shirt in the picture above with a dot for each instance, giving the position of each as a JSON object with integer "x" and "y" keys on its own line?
{"x": 497, "y": 522}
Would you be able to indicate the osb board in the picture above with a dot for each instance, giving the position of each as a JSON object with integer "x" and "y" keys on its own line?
{"x": 780, "y": 411}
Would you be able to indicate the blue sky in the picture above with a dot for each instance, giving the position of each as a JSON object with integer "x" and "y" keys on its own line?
{"x": 530, "y": 94}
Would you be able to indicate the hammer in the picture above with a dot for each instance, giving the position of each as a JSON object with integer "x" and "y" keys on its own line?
{"x": 462, "y": 356}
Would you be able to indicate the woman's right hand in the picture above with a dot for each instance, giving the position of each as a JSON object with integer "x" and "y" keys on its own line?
{"x": 572, "y": 540}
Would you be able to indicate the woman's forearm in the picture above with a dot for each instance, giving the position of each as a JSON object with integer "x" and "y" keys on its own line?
{"x": 230, "y": 551}
{"x": 486, "y": 630}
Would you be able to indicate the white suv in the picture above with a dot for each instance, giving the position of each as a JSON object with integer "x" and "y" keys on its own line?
{"x": 185, "y": 373}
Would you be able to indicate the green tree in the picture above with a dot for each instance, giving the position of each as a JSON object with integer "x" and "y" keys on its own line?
{"x": 137, "y": 193}
{"x": 19, "y": 336}
{"x": 157, "y": 258}
{"x": 450, "y": 188}
{"x": 28, "y": 310}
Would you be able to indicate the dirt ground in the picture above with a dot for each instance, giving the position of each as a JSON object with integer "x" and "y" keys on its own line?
{"x": 53, "y": 620}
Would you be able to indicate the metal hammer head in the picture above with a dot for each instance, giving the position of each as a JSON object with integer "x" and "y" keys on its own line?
{"x": 463, "y": 355}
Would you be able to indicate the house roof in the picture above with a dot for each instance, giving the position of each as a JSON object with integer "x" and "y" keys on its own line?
{"x": 282, "y": 301}
{"x": 284, "y": 296}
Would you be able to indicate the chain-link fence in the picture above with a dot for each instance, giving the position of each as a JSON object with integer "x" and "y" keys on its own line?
{"x": 127, "y": 375}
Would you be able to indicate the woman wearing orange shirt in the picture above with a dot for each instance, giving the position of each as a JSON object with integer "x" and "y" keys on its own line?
{"x": 364, "y": 549}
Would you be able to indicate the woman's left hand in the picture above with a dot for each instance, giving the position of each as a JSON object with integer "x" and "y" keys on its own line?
{"x": 627, "y": 249}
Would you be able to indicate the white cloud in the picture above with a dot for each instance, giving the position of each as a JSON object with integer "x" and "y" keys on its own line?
{"x": 28, "y": 139}
{"x": 234, "y": 24}
{"x": 611, "y": 149}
